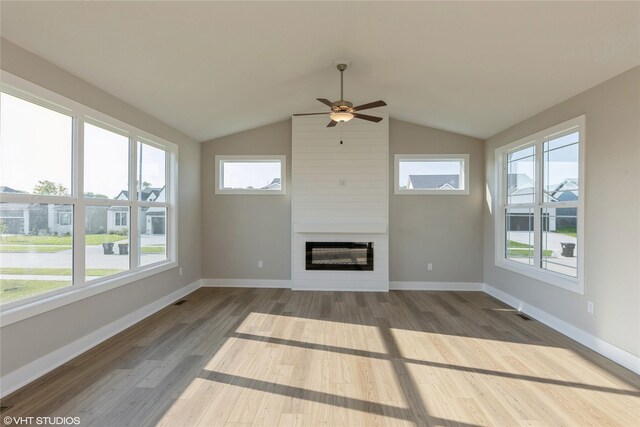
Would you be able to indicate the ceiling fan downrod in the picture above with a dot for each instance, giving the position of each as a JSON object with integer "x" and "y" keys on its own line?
{"x": 341, "y": 68}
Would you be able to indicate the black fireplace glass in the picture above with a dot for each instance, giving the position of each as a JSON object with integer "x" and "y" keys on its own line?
{"x": 357, "y": 256}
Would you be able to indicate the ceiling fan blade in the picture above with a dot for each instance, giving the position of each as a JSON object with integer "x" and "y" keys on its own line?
{"x": 380, "y": 103}
{"x": 366, "y": 117}
{"x": 326, "y": 102}
{"x": 332, "y": 123}
{"x": 310, "y": 114}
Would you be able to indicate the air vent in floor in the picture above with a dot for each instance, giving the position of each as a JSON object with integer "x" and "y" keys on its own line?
{"x": 524, "y": 316}
{"x": 182, "y": 301}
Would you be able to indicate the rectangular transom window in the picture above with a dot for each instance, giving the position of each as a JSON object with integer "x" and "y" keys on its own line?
{"x": 431, "y": 174}
{"x": 67, "y": 215}
{"x": 540, "y": 214}
{"x": 250, "y": 175}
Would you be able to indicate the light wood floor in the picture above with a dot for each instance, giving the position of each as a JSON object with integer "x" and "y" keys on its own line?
{"x": 243, "y": 357}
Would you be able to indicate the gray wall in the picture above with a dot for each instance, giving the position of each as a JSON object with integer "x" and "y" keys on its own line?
{"x": 240, "y": 230}
{"x": 444, "y": 230}
{"x": 30, "y": 339}
{"x": 612, "y": 217}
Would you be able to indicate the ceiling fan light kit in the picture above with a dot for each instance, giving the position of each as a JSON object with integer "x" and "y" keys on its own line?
{"x": 342, "y": 111}
{"x": 341, "y": 116}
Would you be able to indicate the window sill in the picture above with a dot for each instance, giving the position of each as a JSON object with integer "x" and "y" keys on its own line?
{"x": 73, "y": 294}
{"x": 549, "y": 277}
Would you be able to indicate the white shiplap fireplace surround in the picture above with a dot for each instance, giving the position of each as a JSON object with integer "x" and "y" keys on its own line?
{"x": 340, "y": 179}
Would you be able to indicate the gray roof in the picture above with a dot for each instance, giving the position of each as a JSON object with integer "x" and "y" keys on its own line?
{"x": 145, "y": 193}
{"x": 4, "y": 189}
{"x": 433, "y": 181}
{"x": 519, "y": 179}
{"x": 274, "y": 184}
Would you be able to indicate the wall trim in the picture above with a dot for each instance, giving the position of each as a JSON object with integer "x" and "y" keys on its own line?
{"x": 39, "y": 367}
{"x": 610, "y": 351}
{"x": 246, "y": 283}
{"x": 436, "y": 286}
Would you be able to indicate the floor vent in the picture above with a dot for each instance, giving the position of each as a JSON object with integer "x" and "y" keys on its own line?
{"x": 182, "y": 301}
{"x": 524, "y": 316}
{"x": 3, "y": 408}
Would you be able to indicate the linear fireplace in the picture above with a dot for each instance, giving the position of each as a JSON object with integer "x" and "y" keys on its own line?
{"x": 357, "y": 256}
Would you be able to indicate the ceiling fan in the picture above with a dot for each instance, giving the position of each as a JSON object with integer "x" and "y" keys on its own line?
{"x": 343, "y": 111}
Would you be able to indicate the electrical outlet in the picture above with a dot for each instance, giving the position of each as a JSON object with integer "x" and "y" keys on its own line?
{"x": 429, "y": 266}
{"x": 342, "y": 182}
{"x": 260, "y": 264}
{"x": 590, "y": 307}
{"x": 180, "y": 271}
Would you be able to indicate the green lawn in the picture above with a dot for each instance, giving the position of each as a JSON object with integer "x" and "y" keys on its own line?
{"x": 527, "y": 253}
{"x": 33, "y": 248}
{"x": 11, "y": 290}
{"x": 56, "y": 271}
{"x": 514, "y": 244}
{"x": 154, "y": 249}
{"x": 567, "y": 231}
{"x": 53, "y": 249}
{"x": 517, "y": 249}
{"x": 91, "y": 239}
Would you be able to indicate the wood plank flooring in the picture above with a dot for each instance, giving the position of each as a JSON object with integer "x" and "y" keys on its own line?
{"x": 273, "y": 357}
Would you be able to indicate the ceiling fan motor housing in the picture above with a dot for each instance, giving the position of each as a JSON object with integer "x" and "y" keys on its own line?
{"x": 343, "y": 106}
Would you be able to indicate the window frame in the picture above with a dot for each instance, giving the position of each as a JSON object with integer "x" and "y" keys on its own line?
{"x": 68, "y": 217}
{"x": 81, "y": 288}
{"x": 537, "y": 140}
{"x": 119, "y": 216}
{"x": 462, "y": 158}
{"x": 219, "y": 171}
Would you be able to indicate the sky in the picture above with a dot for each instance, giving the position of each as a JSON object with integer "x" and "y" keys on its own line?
{"x": 250, "y": 174}
{"x": 36, "y": 144}
{"x": 560, "y": 161}
{"x": 431, "y": 167}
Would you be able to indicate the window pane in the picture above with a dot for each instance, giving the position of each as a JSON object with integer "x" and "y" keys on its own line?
{"x": 258, "y": 175}
{"x": 106, "y": 164}
{"x": 559, "y": 240}
{"x": 36, "y": 249}
{"x": 151, "y": 172}
{"x": 519, "y": 238}
{"x": 560, "y": 165}
{"x": 521, "y": 154}
{"x": 424, "y": 174}
{"x": 35, "y": 148}
{"x": 152, "y": 235}
{"x": 521, "y": 176}
{"x": 106, "y": 241}
{"x": 569, "y": 139}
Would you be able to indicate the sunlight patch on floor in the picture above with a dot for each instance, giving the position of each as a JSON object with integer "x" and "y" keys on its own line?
{"x": 314, "y": 331}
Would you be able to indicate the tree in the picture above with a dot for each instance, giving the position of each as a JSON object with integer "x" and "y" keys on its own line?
{"x": 146, "y": 185}
{"x": 50, "y": 188}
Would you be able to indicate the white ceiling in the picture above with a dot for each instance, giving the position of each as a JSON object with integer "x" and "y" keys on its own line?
{"x": 210, "y": 69}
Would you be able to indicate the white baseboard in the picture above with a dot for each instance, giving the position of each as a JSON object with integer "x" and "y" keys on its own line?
{"x": 246, "y": 283}
{"x": 610, "y": 351}
{"x": 30, "y": 372}
{"x": 39, "y": 367}
{"x": 436, "y": 286}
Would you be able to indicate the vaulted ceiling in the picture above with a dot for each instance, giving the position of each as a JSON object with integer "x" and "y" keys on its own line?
{"x": 210, "y": 68}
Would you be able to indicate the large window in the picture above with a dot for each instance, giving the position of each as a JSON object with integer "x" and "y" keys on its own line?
{"x": 431, "y": 174}
{"x": 68, "y": 219}
{"x": 250, "y": 175}
{"x": 540, "y": 214}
